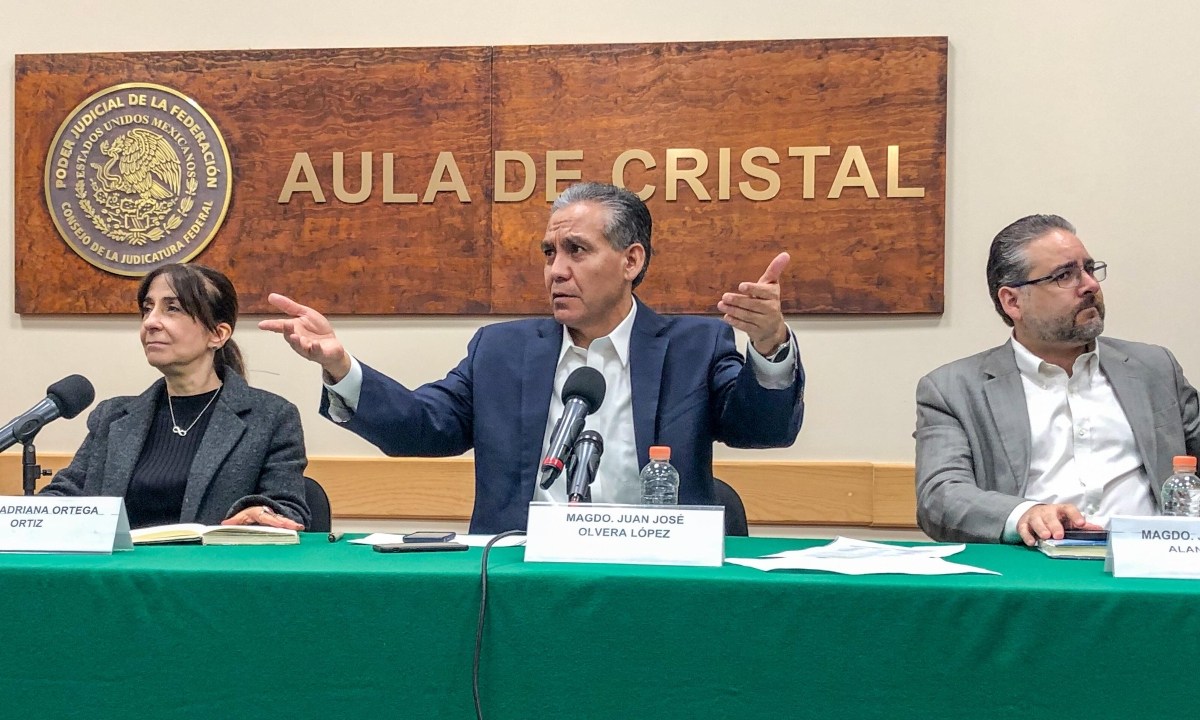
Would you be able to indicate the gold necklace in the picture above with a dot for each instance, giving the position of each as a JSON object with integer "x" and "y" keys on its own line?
{"x": 182, "y": 432}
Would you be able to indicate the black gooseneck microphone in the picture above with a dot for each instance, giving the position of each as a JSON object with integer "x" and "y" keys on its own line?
{"x": 584, "y": 463}
{"x": 66, "y": 398}
{"x": 582, "y": 394}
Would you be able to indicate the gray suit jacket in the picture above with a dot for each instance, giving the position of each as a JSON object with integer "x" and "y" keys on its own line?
{"x": 251, "y": 454}
{"x": 973, "y": 442}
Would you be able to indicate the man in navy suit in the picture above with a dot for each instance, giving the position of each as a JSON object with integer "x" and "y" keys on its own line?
{"x": 675, "y": 381}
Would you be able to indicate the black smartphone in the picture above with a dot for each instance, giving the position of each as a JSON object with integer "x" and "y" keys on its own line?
{"x": 428, "y": 536}
{"x": 419, "y": 547}
{"x": 1096, "y": 535}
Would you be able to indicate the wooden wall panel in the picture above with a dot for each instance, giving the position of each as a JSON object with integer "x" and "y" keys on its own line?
{"x": 370, "y": 257}
{"x": 788, "y": 493}
{"x": 852, "y": 254}
{"x": 894, "y": 494}
{"x": 775, "y": 493}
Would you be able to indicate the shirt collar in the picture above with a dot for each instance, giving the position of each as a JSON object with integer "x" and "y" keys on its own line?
{"x": 619, "y": 338}
{"x": 1033, "y": 367}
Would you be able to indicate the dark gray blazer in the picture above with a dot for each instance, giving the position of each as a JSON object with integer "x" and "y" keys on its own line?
{"x": 973, "y": 442}
{"x": 251, "y": 454}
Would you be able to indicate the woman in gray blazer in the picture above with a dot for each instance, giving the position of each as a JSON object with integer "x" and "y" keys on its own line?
{"x": 200, "y": 445}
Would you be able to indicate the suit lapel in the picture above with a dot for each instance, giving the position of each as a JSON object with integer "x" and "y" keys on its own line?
{"x": 225, "y": 428}
{"x": 126, "y": 438}
{"x": 1006, "y": 400}
{"x": 1131, "y": 395}
{"x": 647, "y": 354}
{"x": 537, "y": 386}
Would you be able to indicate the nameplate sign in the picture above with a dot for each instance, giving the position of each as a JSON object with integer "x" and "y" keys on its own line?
{"x": 1154, "y": 547}
{"x": 65, "y": 525}
{"x": 630, "y": 534}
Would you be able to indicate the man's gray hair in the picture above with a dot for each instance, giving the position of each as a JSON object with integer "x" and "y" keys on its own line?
{"x": 1007, "y": 263}
{"x": 629, "y": 220}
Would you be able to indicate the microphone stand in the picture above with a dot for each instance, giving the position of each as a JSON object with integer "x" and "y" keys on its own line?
{"x": 583, "y": 467}
{"x": 30, "y": 470}
{"x": 584, "y": 497}
{"x": 574, "y": 496}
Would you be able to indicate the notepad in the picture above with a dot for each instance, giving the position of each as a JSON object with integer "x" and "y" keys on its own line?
{"x": 214, "y": 535}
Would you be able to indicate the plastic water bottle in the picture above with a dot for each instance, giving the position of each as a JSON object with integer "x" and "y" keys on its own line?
{"x": 1181, "y": 491}
{"x": 660, "y": 480}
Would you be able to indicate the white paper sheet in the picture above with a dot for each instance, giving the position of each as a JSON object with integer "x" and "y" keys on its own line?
{"x": 469, "y": 540}
{"x": 861, "y": 557}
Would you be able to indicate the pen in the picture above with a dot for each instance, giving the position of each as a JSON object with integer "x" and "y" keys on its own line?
{"x": 334, "y": 537}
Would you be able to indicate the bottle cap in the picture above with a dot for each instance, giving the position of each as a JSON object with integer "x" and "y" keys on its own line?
{"x": 1181, "y": 462}
{"x": 662, "y": 452}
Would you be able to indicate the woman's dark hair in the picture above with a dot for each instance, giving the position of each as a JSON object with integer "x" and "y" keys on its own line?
{"x": 208, "y": 297}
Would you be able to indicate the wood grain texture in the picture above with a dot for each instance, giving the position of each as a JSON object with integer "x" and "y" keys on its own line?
{"x": 852, "y": 254}
{"x": 370, "y": 257}
{"x": 895, "y": 499}
{"x": 775, "y": 493}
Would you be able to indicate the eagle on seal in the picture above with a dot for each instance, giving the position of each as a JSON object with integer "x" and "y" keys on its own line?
{"x": 147, "y": 166}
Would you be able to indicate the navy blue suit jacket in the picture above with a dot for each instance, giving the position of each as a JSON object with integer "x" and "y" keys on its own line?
{"x": 690, "y": 387}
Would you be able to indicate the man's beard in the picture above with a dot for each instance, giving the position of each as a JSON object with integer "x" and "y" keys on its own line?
{"x": 1064, "y": 329}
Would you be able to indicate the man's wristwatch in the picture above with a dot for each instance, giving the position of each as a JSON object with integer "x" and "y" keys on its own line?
{"x": 780, "y": 353}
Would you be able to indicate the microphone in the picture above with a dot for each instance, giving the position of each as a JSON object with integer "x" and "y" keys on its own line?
{"x": 582, "y": 394}
{"x": 586, "y": 460}
{"x": 66, "y": 398}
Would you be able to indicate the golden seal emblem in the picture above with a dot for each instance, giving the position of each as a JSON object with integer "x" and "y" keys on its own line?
{"x": 138, "y": 176}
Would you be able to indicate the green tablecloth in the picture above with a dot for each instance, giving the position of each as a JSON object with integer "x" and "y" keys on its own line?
{"x": 338, "y": 631}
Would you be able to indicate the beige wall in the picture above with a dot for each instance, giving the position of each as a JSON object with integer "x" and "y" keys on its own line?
{"x": 1084, "y": 108}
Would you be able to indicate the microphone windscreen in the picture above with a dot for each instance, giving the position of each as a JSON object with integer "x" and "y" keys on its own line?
{"x": 72, "y": 395}
{"x": 587, "y": 384}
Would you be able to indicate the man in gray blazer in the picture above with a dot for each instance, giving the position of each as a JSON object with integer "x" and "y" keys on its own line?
{"x": 1058, "y": 428}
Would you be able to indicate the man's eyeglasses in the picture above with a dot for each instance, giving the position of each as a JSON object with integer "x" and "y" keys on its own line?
{"x": 1069, "y": 278}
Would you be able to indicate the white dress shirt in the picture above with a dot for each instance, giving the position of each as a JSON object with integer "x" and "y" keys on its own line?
{"x": 1083, "y": 451}
{"x": 618, "y": 478}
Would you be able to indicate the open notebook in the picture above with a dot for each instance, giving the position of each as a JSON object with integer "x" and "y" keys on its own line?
{"x": 214, "y": 535}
